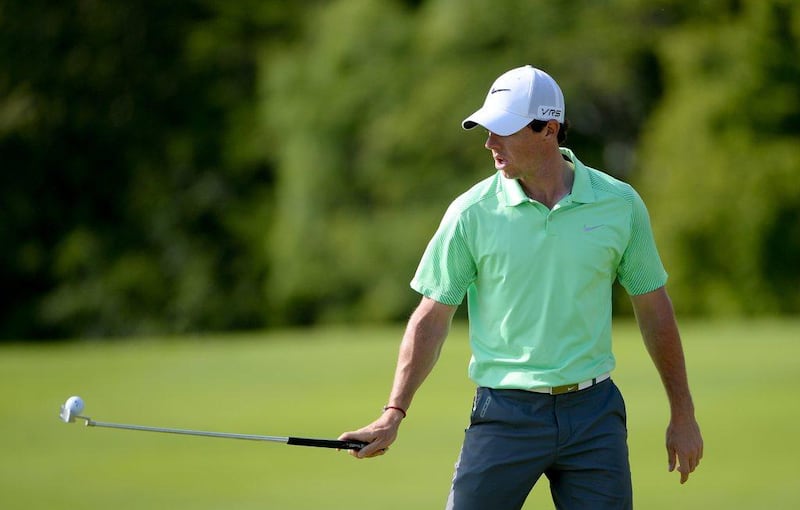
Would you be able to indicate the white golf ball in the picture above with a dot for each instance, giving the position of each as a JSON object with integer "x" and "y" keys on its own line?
{"x": 74, "y": 405}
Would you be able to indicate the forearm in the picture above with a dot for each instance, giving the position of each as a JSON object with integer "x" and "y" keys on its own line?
{"x": 666, "y": 352}
{"x": 422, "y": 343}
{"x": 656, "y": 319}
{"x": 662, "y": 339}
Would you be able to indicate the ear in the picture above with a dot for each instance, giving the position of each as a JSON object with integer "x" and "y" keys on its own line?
{"x": 552, "y": 128}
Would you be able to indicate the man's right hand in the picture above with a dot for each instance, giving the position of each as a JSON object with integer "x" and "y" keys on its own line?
{"x": 379, "y": 434}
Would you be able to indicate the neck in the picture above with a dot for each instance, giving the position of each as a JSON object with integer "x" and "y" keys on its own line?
{"x": 549, "y": 182}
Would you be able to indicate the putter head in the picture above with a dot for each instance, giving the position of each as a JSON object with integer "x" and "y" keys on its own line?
{"x": 71, "y": 408}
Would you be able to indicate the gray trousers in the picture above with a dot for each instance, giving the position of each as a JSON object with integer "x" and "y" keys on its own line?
{"x": 577, "y": 440}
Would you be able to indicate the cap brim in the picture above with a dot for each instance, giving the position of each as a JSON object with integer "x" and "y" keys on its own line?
{"x": 499, "y": 122}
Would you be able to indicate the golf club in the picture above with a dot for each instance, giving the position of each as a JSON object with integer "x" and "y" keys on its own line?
{"x": 74, "y": 405}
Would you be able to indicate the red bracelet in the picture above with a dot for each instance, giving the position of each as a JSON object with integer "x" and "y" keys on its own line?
{"x": 386, "y": 408}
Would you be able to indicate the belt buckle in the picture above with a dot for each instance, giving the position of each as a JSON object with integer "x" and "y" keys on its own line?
{"x": 567, "y": 388}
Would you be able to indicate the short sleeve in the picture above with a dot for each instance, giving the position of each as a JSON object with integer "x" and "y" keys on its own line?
{"x": 447, "y": 267}
{"x": 640, "y": 269}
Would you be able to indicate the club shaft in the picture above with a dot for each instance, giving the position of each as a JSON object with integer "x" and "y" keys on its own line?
{"x": 298, "y": 441}
{"x": 186, "y": 432}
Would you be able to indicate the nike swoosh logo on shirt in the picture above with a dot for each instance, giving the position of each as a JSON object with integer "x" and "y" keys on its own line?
{"x": 587, "y": 228}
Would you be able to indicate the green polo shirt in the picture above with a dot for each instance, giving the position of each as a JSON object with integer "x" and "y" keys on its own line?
{"x": 538, "y": 281}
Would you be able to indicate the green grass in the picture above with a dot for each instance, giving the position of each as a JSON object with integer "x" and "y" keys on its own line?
{"x": 319, "y": 383}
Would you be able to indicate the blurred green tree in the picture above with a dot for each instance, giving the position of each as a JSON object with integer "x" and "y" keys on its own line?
{"x": 134, "y": 184}
{"x": 720, "y": 160}
{"x": 202, "y": 164}
{"x": 371, "y": 150}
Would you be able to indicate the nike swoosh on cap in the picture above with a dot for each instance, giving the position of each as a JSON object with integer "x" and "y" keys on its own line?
{"x": 499, "y": 90}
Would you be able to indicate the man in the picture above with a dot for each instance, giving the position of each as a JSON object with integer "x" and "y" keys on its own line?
{"x": 536, "y": 249}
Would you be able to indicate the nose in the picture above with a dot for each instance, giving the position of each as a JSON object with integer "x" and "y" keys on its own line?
{"x": 491, "y": 141}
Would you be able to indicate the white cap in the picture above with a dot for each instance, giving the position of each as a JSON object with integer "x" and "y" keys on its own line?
{"x": 515, "y": 99}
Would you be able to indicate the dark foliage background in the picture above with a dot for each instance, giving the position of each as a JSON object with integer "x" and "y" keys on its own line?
{"x": 204, "y": 165}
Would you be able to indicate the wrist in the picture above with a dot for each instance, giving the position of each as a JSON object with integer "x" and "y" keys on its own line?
{"x": 681, "y": 416}
{"x": 396, "y": 409}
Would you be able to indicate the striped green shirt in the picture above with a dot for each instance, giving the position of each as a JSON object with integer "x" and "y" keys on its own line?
{"x": 538, "y": 281}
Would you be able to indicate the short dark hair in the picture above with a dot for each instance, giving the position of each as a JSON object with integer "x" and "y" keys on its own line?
{"x": 538, "y": 125}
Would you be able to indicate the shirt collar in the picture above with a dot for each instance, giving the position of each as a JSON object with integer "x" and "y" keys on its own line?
{"x": 582, "y": 192}
{"x": 513, "y": 194}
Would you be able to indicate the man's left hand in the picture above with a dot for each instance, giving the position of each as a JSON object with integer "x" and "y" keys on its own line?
{"x": 684, "y": 447}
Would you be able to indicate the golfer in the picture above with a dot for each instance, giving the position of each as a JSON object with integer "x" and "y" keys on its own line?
{"x": 536, "y": 248}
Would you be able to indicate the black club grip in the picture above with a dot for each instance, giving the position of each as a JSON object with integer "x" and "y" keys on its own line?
{"x": 327, "y": 443}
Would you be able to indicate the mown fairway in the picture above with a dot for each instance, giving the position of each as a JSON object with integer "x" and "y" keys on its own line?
{"x": 322, "y": 382}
